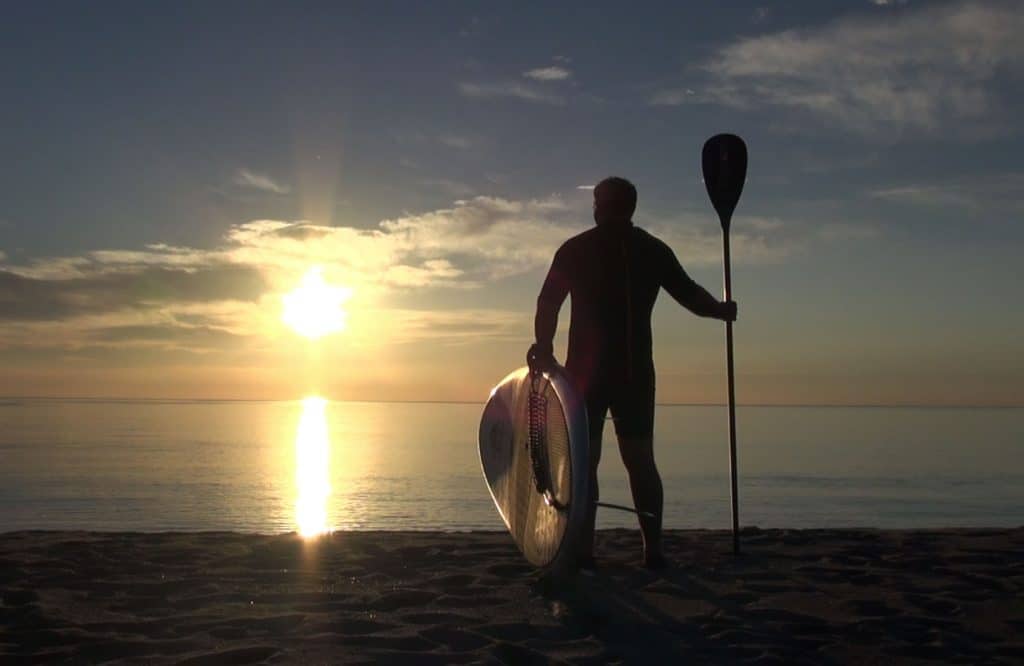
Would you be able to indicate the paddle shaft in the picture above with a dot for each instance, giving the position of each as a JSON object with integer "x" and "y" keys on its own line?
{"x": 732, "y": 397}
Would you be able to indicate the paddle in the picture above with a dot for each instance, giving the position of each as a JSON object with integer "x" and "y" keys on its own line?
{"x": 724, "y": 161}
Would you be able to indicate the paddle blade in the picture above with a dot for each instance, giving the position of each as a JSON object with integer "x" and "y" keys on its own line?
{"x": 725, "y": 169}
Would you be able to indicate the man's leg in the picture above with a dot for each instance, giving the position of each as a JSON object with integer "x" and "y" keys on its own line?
{"x": 586, "y": 546}
{"x": 633, "y": 410}
{"x": 648, "y": 496}
{"x": 597, "y": 407}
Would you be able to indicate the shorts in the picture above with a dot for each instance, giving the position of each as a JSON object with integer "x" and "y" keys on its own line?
{"x": 631, "y": 405}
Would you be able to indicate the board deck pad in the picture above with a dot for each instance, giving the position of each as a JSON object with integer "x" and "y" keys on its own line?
{"x": 546, "y": 532}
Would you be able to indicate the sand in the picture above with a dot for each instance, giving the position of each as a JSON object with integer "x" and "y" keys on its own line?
{"x": 794, "y": 596}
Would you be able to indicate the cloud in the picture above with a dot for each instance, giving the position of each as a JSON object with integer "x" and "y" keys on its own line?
{"x": 553, "y": 73}
{"x": 255, "y": 181}
{"x": 168, "y": 334}
{"x": 673, "y": 97}
{"x": 490, "y": 237}
{"x": 216, "y": 326}
{"x": 101, "y": 290}
{"x": 228, "y": 298}
{"x": 838, "y": 232}
{"x": 456, "y": 141}
{"x": 696, "y": 238}
{"x": 926, "y": 195}
{"x": 455, "y": 327}
{"x": 474, "y": 241}
{"x": 513, "y": 90}
{"x": 199, "y": 300}
{"x": 975, "y": 193}
{"x": 933, "y": 70}
{"x": 452, "y": 187}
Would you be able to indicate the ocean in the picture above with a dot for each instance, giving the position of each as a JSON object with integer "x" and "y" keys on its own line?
{"x": 309, "y": 465}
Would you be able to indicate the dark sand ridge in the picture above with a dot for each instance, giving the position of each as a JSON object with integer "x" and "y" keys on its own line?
{"x": 794, "y": 596}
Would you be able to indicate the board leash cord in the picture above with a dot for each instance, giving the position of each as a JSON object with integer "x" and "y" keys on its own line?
{"x": 619, "y": 507}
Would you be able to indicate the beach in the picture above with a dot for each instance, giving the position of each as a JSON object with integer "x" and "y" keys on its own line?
{"x": 792, "y": 596}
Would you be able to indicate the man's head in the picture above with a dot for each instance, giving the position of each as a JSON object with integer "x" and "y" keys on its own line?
{"x": 614, "y": 201}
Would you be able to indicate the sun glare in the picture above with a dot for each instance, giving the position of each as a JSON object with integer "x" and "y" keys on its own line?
{"x": 313, "y": 309}
{"x": 311, "y": 457}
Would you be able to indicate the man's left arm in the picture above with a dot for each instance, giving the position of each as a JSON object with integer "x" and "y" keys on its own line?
{"x": 688, "y": 293}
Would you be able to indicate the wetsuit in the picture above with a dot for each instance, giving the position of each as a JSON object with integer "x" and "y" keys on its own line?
{"x": 614, "y": 272}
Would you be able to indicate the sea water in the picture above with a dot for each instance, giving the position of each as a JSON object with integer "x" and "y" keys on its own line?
{"x": 310, "y": 465}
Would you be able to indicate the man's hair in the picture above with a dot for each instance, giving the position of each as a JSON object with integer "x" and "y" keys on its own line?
{"x": 616, "y": 194}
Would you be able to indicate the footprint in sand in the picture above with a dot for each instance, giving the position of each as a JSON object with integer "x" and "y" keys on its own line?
{"x": 357, "y": 627}
{"x": 400, "y": 643}
{"x": 453, "y": 581}
{"x": 517, "y": 654}
{"x": 247, "y": 655}
{"x": 509, "y": 569}
{"x": 18, "y": 597}
{"x": 741, "y": 598}
{"x": 229, "y": 633}
{"x": 402, "y": 599}
{"x": 147, "y": 628}
{"x": 511, "y": 631}
{"x": 824, "y": 574}
{"x": 476, "y": 601}
{"x": 933, "y": 605}
{"x": 455, "y": 640}
{"x": 450, "y": 619}
{"x": 135, "y": 651}
{"x": 927, "y": 652}
{"x": 782, "y": 615}
{"x": 420, "y": 658}
{"x": 869, "y": 608}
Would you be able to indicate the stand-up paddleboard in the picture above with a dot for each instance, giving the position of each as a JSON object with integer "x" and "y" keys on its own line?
{"x": 534, "y": 450}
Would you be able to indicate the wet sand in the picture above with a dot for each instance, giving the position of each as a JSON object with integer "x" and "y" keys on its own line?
{"x": 793, "y": 596}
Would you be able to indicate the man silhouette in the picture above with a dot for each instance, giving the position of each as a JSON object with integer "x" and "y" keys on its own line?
{"x": 614, "y": 272}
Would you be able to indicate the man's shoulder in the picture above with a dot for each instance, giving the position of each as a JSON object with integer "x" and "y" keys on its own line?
{"x": 579, "y": 240}
{"x": 647, "y": 238}
{"x": 583, "y": 236}
{"x": 643, "y": 234}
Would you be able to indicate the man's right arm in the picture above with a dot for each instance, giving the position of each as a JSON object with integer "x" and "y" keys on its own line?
{"x": 688, "y": 293}
{"x": 549, "y": 302}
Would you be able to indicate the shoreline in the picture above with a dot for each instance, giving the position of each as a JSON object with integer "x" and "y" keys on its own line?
{"x": 14, "y": 400}
{"x": 715, "y": 532}
{"x": 792, "y": 596}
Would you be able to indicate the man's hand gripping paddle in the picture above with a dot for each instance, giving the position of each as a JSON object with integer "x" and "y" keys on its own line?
{"x": 724, "y": 161}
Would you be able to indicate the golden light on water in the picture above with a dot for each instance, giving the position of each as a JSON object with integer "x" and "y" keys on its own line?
{"x": 314, "y": 308}
{"x": 312, "y": 445}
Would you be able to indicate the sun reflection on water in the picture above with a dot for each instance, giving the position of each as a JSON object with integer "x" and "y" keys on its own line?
{"x": 311, "y": 480}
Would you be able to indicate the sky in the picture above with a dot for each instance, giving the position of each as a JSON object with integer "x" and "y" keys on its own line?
{"x": 170, "y": 172}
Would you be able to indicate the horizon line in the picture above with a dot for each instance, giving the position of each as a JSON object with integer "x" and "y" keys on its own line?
{"x": 152, "y": 400}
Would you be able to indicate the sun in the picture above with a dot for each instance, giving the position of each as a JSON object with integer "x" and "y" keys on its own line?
{"x": 314, "y": 308}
